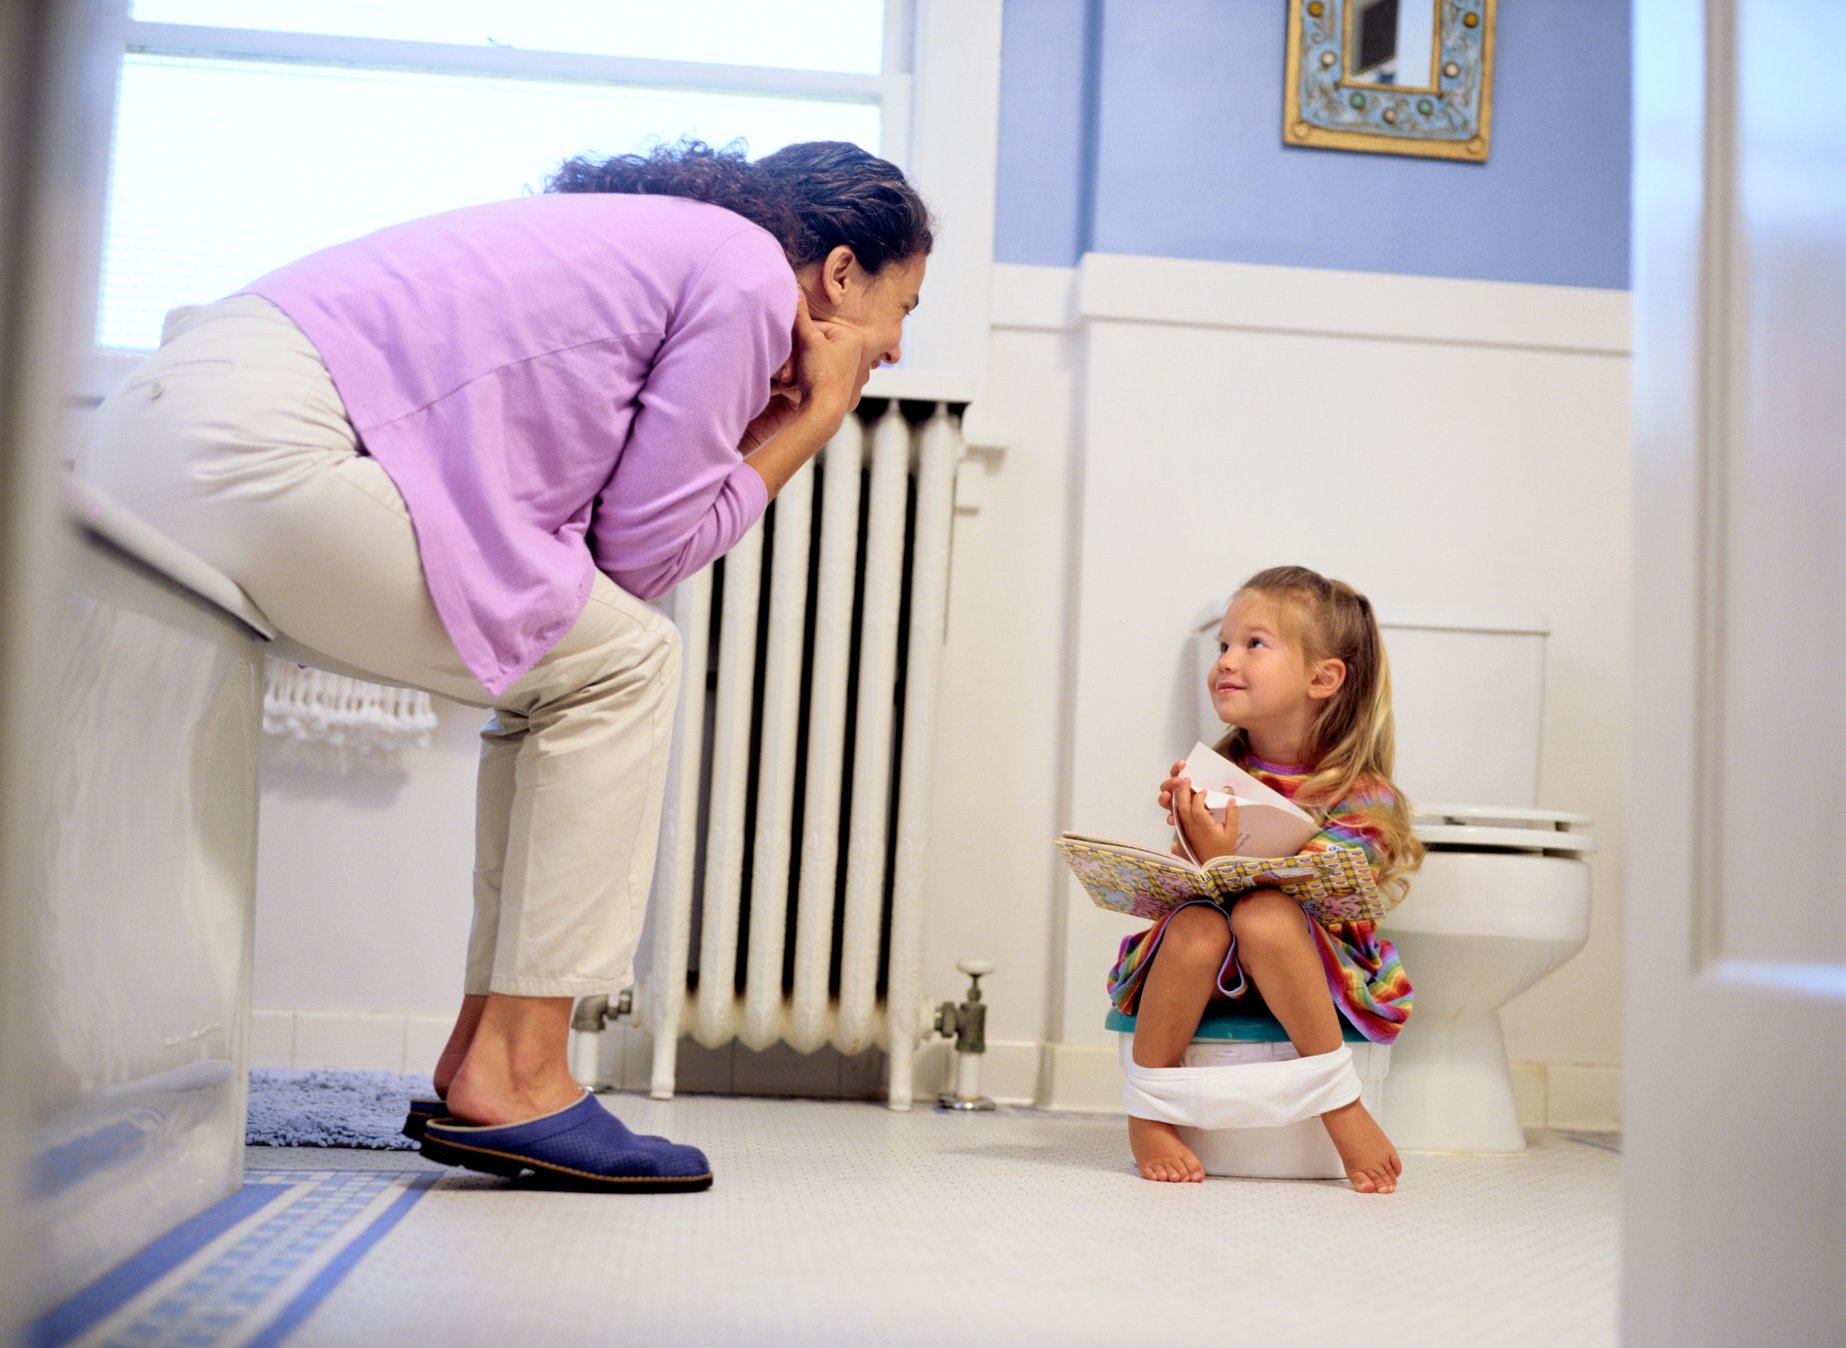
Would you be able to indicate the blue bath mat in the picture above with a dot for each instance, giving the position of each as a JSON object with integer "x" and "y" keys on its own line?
{"x": 328, "y": 1107}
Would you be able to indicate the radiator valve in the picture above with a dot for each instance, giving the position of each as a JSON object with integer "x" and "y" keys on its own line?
{"x": 586, "y": 1022}
{"x": 967, "y": 1022}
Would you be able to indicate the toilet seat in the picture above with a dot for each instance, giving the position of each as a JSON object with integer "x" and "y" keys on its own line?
{"x": 1514, "y": 815}
{"x": 1502, "y": 828}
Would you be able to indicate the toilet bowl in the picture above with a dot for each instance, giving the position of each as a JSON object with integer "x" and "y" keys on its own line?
{"x": 1502, "y": 899}
{"x": 1228, "y": 1039}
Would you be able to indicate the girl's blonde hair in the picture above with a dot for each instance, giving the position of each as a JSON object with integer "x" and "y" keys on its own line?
{"x": 1354, "y": 735}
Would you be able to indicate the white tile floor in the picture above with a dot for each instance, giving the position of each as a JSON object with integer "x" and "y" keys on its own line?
{"x": 842, "y": 1223}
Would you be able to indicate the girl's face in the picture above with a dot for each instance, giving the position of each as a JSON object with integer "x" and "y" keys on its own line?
{"x": 1261, "y": 681}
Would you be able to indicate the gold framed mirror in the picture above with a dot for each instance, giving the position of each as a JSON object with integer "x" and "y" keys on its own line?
{"x": 1391, "y": 77}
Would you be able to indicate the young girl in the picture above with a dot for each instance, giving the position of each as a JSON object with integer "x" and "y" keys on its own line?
{"x": 1302, "y": 681}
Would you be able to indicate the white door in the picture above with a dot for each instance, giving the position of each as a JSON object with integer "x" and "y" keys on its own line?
{"x": 1734, "y": 1215}
{"x": 54, "y": 124}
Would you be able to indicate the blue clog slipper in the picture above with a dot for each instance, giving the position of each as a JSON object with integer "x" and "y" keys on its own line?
{"x": 423, "y": 1110}
{"x": 582, "y": 1146}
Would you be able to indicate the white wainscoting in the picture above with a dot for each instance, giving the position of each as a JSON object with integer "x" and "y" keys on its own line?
{"x": 1431, "y": 440}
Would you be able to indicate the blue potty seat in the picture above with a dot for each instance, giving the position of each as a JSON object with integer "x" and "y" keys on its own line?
{"x": 1227, "y": 1022}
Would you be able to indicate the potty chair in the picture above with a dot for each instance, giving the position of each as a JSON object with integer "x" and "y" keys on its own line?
{"x": 1233, "y": 1074}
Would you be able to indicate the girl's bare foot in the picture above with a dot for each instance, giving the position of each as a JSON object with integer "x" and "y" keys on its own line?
{"x": 1371, "y": 1161}
{"x": 1160, "y": 1155}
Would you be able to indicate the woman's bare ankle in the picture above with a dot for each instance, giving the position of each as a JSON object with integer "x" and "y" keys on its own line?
{"x": 447, "y": 1066}
{"x": 517, "y": 1065}
{"x": 461, "y": 1039}
{"x": 482, "y": 1096}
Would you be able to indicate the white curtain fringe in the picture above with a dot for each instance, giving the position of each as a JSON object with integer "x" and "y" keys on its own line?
{"x": 359, "y": 721}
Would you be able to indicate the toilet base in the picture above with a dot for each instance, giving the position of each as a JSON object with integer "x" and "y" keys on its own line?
{"x": 1451, "y": 1089}
{"x": 1295, "y": 1151}
{"x": 1478, "y": 928}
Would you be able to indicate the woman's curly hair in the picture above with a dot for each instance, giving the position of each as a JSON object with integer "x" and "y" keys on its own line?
{"x": 813, "y": 196}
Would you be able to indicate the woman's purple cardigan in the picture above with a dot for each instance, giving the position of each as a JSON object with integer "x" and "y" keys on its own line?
{"x": 556, "y": 384}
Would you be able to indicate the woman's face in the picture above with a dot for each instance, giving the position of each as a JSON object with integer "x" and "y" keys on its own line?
{"x": 840, "y": 291}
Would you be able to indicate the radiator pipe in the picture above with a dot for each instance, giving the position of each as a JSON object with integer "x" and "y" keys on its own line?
{"x": 967, "y": 1022}
{"x": 586, "y": 1026}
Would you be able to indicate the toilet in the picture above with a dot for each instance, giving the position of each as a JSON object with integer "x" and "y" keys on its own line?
{"x": 1503, "y": 896}
{"x": 1502, "y": 899}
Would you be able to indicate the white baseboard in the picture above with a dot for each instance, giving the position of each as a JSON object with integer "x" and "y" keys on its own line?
{"x": 1079, "y": 1078}
{"x": 1085, "y": 1078}
{"x": 424, "y": 1039}
{"x": 272, "y": 1039}
{"x": 1529, "y": 1087}
{"x": 361, "y": 1041}
{"x": 389, "y": 1041}
{"x": 1581, "y": 1097}
{"x": 1008, "y": 1073}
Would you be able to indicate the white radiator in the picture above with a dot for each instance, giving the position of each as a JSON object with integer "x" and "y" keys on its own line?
{"x": 797, "y": 805}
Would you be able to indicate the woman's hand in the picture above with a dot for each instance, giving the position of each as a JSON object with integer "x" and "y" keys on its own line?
{"x": 809, "y": 398}
{"x": 830, "y": 366}
{"x": 822, "y": 377}
{"x": 784, "y": 406}
{"x": 1204, "y": 834}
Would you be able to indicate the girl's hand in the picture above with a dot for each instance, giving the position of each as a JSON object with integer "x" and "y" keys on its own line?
{"x": 1166, "y": 789}
{"x": 1207, "y": 838}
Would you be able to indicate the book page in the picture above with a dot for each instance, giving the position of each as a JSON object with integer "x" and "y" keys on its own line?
{"x": 1335, "y": 885}
{"x": 1130, "y": 849}
{"x": 1130, "y": 879}
{"x": 1269, "y": 824}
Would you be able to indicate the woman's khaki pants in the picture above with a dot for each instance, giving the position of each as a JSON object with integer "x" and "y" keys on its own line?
{"x": 232, "y": 440}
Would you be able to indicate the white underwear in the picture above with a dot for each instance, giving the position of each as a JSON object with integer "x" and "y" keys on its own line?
{"x": 1248, "y": 1095}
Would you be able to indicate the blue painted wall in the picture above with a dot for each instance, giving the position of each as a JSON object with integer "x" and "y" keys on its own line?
{"x": 1154, "y": 127}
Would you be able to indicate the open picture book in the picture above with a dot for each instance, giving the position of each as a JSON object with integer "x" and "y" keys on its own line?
{"x": 1334, "y": 884}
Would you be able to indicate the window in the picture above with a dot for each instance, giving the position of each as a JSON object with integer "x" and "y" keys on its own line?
{"x": 250, "y": 132}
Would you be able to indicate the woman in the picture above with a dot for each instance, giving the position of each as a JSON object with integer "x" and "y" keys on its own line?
{"x": 458, "y": 455}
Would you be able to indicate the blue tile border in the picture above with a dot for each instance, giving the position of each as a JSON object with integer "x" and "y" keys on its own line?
{"x": 127, "y": 1280}
{"x": 341, "y": 1264}
{"x": 211, "y": 1301}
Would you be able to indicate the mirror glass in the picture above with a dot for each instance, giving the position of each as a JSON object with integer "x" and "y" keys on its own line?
{"x": 1392, "y": 42}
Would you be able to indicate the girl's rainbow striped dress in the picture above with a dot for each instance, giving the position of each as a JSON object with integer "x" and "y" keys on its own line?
{"x": 1364, "y": 974}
